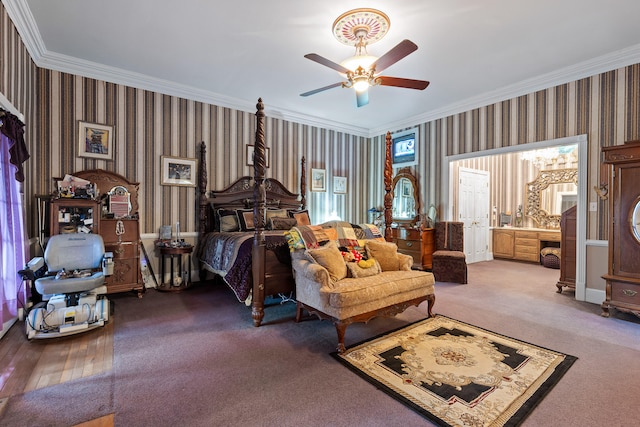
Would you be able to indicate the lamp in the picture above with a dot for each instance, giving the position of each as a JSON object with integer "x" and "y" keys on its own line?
{"x": 360, "y": 27}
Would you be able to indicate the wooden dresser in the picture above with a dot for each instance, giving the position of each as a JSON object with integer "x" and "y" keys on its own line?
{"x": 522, "y": 244}
{"x": 419, "y": 243}
{"x": 121, "y": 235}
{"x": 623, "y": 276}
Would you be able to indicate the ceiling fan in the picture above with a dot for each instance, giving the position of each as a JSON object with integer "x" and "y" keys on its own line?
{"x": 361, "y": 27}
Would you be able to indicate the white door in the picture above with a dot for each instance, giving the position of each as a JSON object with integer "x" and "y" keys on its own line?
{"x": 473, "y": 211}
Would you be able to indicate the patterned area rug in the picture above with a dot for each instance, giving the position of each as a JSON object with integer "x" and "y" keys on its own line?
{"x": 456, "y": 374}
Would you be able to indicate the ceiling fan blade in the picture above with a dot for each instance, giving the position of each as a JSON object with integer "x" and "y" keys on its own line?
{"x": 400, "y": 82}
{"x": 362, "y": 98}
{"x": 311, "y": 92}
{"x": 402, "y": 49}
{"x": 326, "y": 62}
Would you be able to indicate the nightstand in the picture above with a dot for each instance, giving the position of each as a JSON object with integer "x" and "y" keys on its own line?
{"x": 175, "y": 255}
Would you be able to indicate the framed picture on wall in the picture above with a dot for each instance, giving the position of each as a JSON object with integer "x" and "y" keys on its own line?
{"x": 95, "y": 140}
{"x": 340, "y": 185}
{"x": 318, "y": 180}
{"x": 178, "y": 171}
{"x": 251, "y": 149}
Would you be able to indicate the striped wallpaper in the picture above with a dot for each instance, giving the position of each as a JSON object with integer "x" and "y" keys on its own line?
{"x": 605, "y": 107}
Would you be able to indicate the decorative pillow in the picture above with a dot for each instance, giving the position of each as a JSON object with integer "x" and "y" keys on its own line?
{"x": 355, "y": 270}
{"x": 386, "y": 253}
{"x": 245, "y": 219}
{"x": 277, "y": 223}
{"x": 271, "y": 213}
{"x": 330, "y": 258}
{"x": 294, "y": 240}
{"x": 227, "y": 220}
{"x": 301, "y": 216}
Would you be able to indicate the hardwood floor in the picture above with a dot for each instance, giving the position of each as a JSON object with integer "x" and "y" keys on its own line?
{"x": 30, "y": 365}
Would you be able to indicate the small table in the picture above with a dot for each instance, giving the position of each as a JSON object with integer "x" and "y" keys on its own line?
{"x": 175, "y": 253}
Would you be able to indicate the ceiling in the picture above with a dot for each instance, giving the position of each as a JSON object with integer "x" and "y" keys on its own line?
{"x": 229, "y": 53}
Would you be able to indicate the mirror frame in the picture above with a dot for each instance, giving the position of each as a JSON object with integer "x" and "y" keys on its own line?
{"x": 634, "y": 219}
{"x": 406, "y": 173}
{"x": 534, "y": 188}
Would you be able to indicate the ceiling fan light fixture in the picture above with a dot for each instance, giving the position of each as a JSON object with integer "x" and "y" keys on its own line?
{"x": 354, "y": 62}
{"x": 361, "y": 83}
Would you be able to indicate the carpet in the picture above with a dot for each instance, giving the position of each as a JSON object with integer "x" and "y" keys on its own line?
{"x": 456, "y": 374}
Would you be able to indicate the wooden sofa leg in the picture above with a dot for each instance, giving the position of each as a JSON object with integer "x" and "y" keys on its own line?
{"x": 341, "y": 329}
{"x": 431, "y": 300}
{"x": 299, "y": 309}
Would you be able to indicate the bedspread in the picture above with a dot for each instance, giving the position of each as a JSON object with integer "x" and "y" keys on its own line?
{"x": 228, "y": 254}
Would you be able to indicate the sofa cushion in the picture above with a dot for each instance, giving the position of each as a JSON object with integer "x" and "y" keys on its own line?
{"x": 385, "y": 253}
{"x": 329, "y": 257}
{"x": 350, "y": 292}
{"x": 356, "y": 269}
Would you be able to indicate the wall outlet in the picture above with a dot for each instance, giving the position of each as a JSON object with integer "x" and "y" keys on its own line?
{"x": 593, "y": 206}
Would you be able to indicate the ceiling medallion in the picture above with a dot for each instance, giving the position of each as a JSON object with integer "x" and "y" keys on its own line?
{"x": 364, "y": 24}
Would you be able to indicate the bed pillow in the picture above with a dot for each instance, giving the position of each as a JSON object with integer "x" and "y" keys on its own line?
{"x": 271, "y": 213}
{"x": 245, "y": 219}
{"x": 227, "y": 220}
{"x": 277, "y": 223}
{"x": 301, "y": 216}
{"x": 363, "y": 268}
{"x": 386, "y": 253}
{"x": 329, "y": 257}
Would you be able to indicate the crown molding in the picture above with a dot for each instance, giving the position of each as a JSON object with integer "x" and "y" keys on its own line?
{"x": 22, "y": 18}
{"x": 592, "y": 67}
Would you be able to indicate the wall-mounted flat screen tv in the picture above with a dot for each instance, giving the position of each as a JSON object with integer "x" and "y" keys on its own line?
{"x": 404, "y": 148}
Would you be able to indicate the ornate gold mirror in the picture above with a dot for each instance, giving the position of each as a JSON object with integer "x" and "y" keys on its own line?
{"x": 550, "y": 194}
{"x": 406, "y": 203}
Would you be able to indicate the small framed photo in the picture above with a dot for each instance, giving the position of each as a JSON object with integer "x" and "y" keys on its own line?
{"x": 178, "y": 171}
{"x": 340, "y": 185}
{"x": 318, "y": 180}
{"x": 95, "y": 140}
{"x": 251, "y": 149}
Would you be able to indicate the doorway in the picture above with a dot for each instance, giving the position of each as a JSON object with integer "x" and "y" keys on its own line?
{"x": 449, "y": 194}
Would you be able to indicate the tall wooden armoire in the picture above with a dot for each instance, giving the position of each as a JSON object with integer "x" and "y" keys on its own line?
{"x": 568, "y": 249}
{"x": 623, "y": 276}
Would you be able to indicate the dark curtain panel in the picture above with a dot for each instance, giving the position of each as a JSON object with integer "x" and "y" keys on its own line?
{"x": 13, "y": 128}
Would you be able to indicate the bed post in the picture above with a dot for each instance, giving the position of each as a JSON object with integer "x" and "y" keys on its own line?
{"x": 260, "y": 199}
{"x": 388, "y": 197}
{"x": 202, "y": 201}
{"x": 202, "y": 191}
{"x": 303, "y": 184}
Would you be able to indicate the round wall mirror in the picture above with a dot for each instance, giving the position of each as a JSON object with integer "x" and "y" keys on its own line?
{"x": 634, "y": 219}
{"x": 406, "y": 204}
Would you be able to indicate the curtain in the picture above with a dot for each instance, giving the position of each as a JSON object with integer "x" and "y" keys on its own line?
{"x": 13, "y": 238}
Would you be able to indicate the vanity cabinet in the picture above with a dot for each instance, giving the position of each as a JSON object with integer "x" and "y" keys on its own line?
{"x": 623, "y": 276}
{"x": 522, "y": 244}
{"x": 418, "y": 243}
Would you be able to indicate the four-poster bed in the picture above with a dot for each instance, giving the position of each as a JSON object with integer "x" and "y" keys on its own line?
{"x": 251, "y": 255}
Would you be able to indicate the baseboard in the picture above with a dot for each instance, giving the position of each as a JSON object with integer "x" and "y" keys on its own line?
{"x": 595, "y": 296}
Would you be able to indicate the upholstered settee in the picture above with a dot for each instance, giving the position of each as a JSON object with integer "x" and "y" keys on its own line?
{"x": 333, "y": 283}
